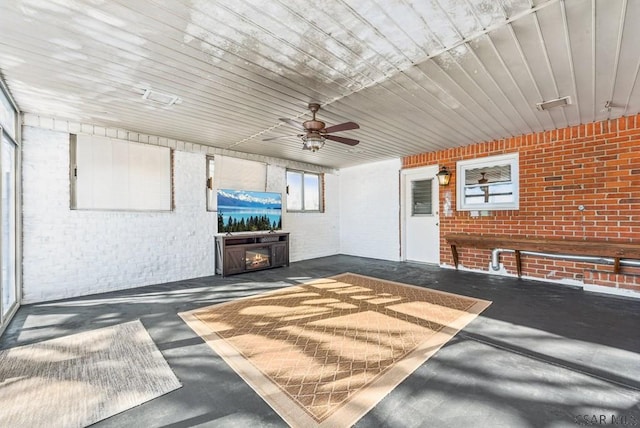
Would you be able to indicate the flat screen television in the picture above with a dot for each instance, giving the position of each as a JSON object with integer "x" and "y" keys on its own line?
{"x": 248, "y": 211}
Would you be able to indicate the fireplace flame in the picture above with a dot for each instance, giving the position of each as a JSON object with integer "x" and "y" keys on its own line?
{"x": 257, "y": 259}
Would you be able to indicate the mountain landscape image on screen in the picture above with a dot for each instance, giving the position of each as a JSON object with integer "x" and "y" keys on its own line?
{"x": 248, "y": 211}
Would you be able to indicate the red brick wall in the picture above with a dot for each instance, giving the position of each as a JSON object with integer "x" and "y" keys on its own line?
{"x": 596, "y": 165}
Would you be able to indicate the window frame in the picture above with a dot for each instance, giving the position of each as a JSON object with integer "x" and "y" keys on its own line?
{"x": 13, "y": 136}
{"x": 210, "y": 184}
{"x": 511, "y": 159}
{"x": 320, "y": 191}
{"x": 12, "y": 108}
{"x": 414, "y": 204}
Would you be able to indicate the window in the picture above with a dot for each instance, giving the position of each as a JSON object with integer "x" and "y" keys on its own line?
{"x": 304, "y": 191}
{"x": 421, "y": 191}
{"x": 211, "y": 193}
{"x": 110, "y": 174}
{"x": 9, "y": 210}
{"x": 8, "y": 226}
{"x": 489, "y": 183}
{"x": 8, "y": 115}
{"x": 240, "y": 174}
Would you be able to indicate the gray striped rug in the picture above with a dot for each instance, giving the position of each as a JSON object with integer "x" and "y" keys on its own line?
{"x": 77, "y": 380}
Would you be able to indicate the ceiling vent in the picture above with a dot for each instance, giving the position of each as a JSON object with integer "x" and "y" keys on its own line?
{"x": 559, "y": 102}
{"x": 160, "y": 98}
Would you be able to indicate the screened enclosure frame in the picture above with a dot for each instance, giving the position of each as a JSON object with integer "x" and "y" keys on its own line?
{"x": 10, "y": 218}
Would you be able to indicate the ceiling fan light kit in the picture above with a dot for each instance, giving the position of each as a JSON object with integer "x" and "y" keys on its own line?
{"x": 312, "y": 141}
{"x": 315, "y": 132}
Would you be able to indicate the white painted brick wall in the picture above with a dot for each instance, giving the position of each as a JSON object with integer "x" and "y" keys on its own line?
{"x": 69, "y": 253}
{"x": 369, "y": 216}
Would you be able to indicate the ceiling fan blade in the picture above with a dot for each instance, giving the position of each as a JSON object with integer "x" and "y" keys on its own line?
{"x": 342, "y": 127}
{"x": 343, "y": 140}
{"x": 278, "y": 138}
{"x": 293, "y": 123}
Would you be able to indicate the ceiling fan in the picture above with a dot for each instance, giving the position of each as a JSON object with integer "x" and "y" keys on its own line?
{"x": 315, "y": 131}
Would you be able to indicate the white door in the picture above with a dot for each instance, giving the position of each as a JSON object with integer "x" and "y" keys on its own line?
{"x": 421, "y": 230}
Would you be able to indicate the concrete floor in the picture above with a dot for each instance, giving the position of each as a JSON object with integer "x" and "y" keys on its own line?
{"x": 542, "y": 355}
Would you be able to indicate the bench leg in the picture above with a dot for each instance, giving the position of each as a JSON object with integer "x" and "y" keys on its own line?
{"x": 616, "y": 265}
{"x": 518, "y": 263}
{"x": 454, "y": 253}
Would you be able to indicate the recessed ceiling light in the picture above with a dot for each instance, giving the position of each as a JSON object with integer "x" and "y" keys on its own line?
{"x": 558, "y": 102}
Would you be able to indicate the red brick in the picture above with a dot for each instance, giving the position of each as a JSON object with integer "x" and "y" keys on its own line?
{"x": 590, "y": 164}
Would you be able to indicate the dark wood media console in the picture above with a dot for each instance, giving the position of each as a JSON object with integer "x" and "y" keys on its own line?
{"x": 245, "y": 252}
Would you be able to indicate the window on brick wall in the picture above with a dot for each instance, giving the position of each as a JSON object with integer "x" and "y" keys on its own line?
{"x": 489, "y": 183}
{"x": 304, "y": 191}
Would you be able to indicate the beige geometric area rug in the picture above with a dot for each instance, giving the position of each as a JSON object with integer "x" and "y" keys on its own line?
{"x": 77, "y": 380}
{"x": 324, "y": 353}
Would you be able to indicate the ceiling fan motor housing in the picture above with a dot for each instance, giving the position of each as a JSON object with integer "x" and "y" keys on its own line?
{"x": 313, "y": 125}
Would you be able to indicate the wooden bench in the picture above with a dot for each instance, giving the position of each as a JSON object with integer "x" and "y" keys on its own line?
{"x": 593, "y": 248}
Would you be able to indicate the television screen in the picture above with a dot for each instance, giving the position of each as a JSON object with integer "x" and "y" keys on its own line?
{"x": 247, "y": 211}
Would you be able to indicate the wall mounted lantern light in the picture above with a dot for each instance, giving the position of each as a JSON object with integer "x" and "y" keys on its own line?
{"x": 444, "y": 175}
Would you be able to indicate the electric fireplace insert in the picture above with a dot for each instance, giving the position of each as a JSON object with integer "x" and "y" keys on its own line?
{"x": 257, "y": 258}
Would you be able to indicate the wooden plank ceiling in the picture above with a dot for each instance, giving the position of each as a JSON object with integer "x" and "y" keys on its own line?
{"x": 417, "y": 75}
